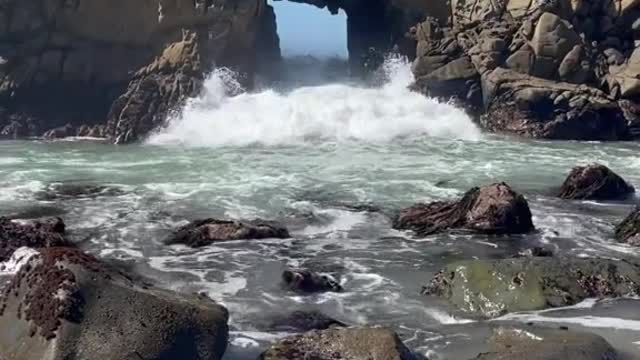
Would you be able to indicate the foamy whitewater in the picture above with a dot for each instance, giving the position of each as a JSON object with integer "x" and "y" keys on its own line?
{"x": 333, "y": 162}
{"x": 334, "y": 112}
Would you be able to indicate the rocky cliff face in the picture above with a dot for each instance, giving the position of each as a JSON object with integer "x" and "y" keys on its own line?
{"x": 558, "y": 69}
{"x": 67, "y": 61}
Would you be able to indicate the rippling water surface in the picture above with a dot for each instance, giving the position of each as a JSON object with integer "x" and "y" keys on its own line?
{"x": 333, "y": 163}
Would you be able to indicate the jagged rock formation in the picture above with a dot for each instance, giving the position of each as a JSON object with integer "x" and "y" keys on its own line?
{"x": 558, "y": 69}
{"x": 65, "y": 62}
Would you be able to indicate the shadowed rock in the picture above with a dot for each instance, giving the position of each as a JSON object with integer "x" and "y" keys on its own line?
{"x": 39, "y": 233}
{"x": 490, "y": 288}
{"x": 306, "y": 281}
{"x": 69, "y": 304}
{"x": 536, "y": 343}
{"x": 205, "y": 232}
{"x": 594, "y": 182}
{"x": 493, "y": 209}
{"x": 628, "y": 231}
{"x": 300, "y": 321}
{"x": 356, "y": 343}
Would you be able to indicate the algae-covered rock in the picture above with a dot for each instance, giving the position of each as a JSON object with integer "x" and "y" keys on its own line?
{"x": 537, "y": 343}
{"x": 359, "y": 343}
{"x": 64, "y": 304}
{"x": 490, "y": 288}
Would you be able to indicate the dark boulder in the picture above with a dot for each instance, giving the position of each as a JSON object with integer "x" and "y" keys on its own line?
{"x": 306, "y": 281}
{"x": 594, "y": 182}
{"x": 301, "y": 321}
{"x": 341, "y": 343}
{"x": 493, "y": 209}
{"x": 205, "y": 232}
{"x": 64, "y": 304}
{"x": 537, "y": 343}
{"x": 628, "y": 231}
{"x": 39, "y": 233}
{"x": 491, "y": 288}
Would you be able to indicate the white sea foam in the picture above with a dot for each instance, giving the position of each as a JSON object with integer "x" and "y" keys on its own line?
{"x": 336, "y": 112}
{"x": 18, "y": 259}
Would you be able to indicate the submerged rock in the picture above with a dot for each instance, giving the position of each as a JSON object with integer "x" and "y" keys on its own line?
{"x": 205, "y": 232}
{"x": 493, "y": 209}
{"x": 300, "y": 321}
{"x": 64, "y": 304}
{"x": 39, "y": 233}
{"x": 537, "y": 343}
{"x": 60, "y": 132}
{"x": 594, "y": 182}
{"x": 628, "y": 231}
{"x": 307, "y": 281}
{"x": 491, "y": 288}
{"x": 355, "y": 343}
{"x": 70, "y": 190}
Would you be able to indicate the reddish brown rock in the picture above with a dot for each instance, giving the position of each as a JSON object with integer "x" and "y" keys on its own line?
{"x": 594, "y": 182}
{"x": 493, "y": 209}
{"x": 204, "y": 232}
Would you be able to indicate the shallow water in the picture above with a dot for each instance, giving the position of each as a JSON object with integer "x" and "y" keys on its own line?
{"x": 334, "y": 173}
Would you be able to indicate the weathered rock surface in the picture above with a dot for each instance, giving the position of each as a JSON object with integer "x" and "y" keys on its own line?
{"x": 157, "y": 89}
{"x": 493, "y": 209}
{"x": 490, "y": 288}
{"x": 341, "y": 343}
{"x": 594, "y": 182}
{"x": 628, "y": 231}
{"x": 306, "y": 281}
{"x": 66, "y": 62}
{"x": 301, "y": 321}
{"x": 205, "y": 232}
{"x": 38, "y": 233}
{"x": 542, "y": 69}
{"x": 537, "y": 343}
{"x": 64, "y": 304}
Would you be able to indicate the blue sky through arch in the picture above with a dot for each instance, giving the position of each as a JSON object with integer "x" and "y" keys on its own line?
{"x": 307, "y": 30}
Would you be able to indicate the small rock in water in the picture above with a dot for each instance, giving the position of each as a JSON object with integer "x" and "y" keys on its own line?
{"x": 536, "y": 252}
{"x": 306, "y": 281}
{"x": 538, "y": 343}
{"x": 493, "y": 209}
{"x": 628, "y": 231}
{"x": 356, "y": 343}
{"x": 205, "y": 232}
{"x": 300, "y": 321}
{"x": 57, "y": 191}
{"x": 594, "y": 182}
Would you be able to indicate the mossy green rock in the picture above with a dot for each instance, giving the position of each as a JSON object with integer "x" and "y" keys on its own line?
{"x": 489, "y": 288}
